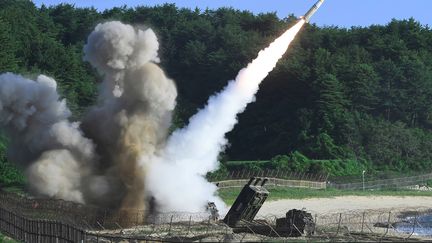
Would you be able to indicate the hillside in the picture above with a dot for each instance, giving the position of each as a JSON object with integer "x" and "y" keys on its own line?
{"x": 361, "y": 95}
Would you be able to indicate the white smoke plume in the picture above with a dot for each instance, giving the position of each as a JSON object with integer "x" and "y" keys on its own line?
{"x": 191, "y": 152}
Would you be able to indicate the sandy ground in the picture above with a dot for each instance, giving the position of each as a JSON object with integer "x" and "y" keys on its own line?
{"x": 345, "y": 204}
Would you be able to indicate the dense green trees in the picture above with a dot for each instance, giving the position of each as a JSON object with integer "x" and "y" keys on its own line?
{"x": 358, "y": 97}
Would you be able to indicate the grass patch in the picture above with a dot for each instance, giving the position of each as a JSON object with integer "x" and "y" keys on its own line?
{"x": 230, "y": 194}
{"x": 5, "y": 239}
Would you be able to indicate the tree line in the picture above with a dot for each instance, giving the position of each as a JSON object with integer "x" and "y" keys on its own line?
{"x": 359, "y": 94}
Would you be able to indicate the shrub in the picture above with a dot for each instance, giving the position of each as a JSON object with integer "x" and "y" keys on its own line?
{"x": 295, "y": 161}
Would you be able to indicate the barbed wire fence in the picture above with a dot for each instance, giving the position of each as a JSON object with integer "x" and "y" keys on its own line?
{"x": 44, "y": 220}
{"x": 61, "y": 221}
{"x": 376, "y": 225}
{"x": 395, "y": 183}
{"x": 275, "y": 182}
{"x": 271, "y": 173}
{"x": 285, "y": 178}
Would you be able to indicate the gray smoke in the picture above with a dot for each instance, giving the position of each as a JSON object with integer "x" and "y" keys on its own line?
{"x": 133, "y": 116}
{"x": 129, "y": 122}
{"x": 43, "y": 141}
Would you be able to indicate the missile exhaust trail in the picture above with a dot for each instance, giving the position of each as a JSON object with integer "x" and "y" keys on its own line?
{"x": 192, "y": 151}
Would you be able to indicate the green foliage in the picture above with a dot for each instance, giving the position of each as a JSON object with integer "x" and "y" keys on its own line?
{"x": 342, "y": 167}
{"x": 330, "y": 100}
{"x": 5, "y": 239}
{"x": 8, "y": 62}
{"x": 295, "y": 162}
{"x": 280, "y": 162}
{"x": 237, "y": 164}
{"x": 362, "y": 82}
{"x": 222, "y": 172}
{"x": 323, "y": 146}
{"x": 299, "y": 163}
{"x": 9, "y": 174}
{"x": 394, "y": 146}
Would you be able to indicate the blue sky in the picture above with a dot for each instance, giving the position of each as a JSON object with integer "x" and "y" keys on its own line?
{"x": 344, "y": 13}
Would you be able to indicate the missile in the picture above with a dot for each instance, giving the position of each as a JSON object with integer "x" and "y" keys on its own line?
{"x": 312, "y": 10}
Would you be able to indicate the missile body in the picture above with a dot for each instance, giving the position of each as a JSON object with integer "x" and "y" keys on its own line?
{"x": 312, "y": 10}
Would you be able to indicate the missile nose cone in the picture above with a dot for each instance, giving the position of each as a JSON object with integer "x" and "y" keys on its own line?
{"x": 312, "y": 10}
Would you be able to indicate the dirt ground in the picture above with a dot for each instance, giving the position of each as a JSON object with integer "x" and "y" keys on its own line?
{"x": 345, "y": 204}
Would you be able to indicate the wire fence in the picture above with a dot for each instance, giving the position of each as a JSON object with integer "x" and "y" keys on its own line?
{"x": 48, "y": 220}
{"x": 275, "y": 182}
{"x": 347, "y": 227}
{"x": 25, "y": 222}
{"x": 86, "y": 216}
{"x": 376, "y": 225}
{"x": 374, "y": 176}
{"x": 270, "y": 173}
{"x": 396, "y": 183}
{"x": 283, "y": 178}
{"x": 371, "y": 226}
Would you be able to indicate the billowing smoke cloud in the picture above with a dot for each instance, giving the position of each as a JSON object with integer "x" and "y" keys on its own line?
{"x": 134, "y": 111}
{"x": 98, "y": 164}
{"x": 120, "y": 156}
{"x": 53, "y": 151}
{"x": 191, "y": 152}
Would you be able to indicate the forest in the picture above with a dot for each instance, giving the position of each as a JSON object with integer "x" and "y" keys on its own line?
{"x": 342, "y": 100}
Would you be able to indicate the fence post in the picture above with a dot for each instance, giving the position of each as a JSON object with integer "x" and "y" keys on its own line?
{"x": 363, "y": 218}
{"x": 388, "y": 226}
{"x": 37, "y": 231}
{"x": 208, "y": 226}
{"x": 414, "y": 226}
{"x": 68, "y": 232}
{"x": 14, "y": 225}
{"x": 169, "y": 229}
{"x": 339, "y": 224}
{"x": 315, "y": 225}
{"x": 190, "y": 220}
{"x": 60, "y": 231}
